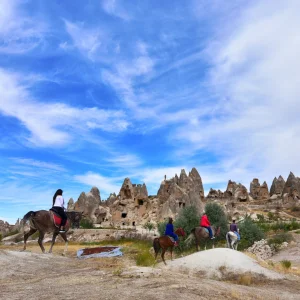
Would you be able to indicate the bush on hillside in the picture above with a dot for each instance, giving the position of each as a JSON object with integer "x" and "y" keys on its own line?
{"x": 86, "y": 224}
{"x": 278, "y": 239}
{"x": 161, "y": 227}
{"x": 150, "y": 226}
{"x": 250, "y": 233}
{"x": 217, "y": 217}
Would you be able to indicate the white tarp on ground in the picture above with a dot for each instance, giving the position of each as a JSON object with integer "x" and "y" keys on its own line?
{"x": 114, "y": 252}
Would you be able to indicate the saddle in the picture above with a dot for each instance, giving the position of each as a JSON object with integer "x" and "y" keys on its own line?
{"x": 172, "y": 239}
{"x": 57, "y": 219}
{"x": 206, "y": 230}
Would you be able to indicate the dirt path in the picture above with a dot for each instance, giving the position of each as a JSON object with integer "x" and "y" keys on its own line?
{"x": 27, "y": 275}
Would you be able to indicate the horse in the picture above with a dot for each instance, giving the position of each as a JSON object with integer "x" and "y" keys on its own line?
{"x": 232, "y": 240}
{"x": 43, "y": 221}
{"x": 164, "y": 242}
{"x": 199, "y": 233}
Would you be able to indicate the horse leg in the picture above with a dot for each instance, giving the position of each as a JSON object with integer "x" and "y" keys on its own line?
{"x": 213, "y": 244}
{"x": 172, "y": 253}
{"x": 53, "y": 241}
{"x": 205, "y": 245}
{"x": 163, "y": 255}
{"x": 197, "y": 244}
{"x": 40, "y": 240}
{"x": 27, "y": 235}
{"x": 64, "y": 236}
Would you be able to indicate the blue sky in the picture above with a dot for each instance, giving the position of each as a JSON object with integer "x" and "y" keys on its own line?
{"x": 93, "y": 91}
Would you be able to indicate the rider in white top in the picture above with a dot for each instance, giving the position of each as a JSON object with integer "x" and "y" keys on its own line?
{"x": 58, "y": 207}
{"x": 59, "y": 201}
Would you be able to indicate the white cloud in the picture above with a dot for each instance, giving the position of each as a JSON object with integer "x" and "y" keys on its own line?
{"x": 125, "y": 161}
{"x": 18, "y": 32}
{"x": 114, "y": 8}
{"x": 106, "y": 185}
{"x": 88, "y": 41}
{"x": 52, "y": 123}
{"x": 37, "y": 164}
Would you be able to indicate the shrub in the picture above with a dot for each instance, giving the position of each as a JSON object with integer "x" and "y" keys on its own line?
{"x": 187, "y": 219}
{"x": 145, "y": 259}
{"x": 161, "y": 227}
{"x": 149, "y": 226}
{"x": 86, "y": 224}
{"x": 261, "y": 218}
{"x": 280, "y": 238}
{"x": 295, "y": 208}
{"x": 217, "y": 217}
{"x": 286, "y": 263}
{"x": 250, "y": 233}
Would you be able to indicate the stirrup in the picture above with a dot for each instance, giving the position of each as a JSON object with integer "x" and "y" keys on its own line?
{"x": 212, "y": 238}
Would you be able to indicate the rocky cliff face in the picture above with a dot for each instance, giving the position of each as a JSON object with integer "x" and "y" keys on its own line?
{"x": 257, "y": 191}
{"x": 277, "y": 186}
{"x": 133, "y": 206}
{"x": 177, "y": 193}
{"x": 88, "y": 203}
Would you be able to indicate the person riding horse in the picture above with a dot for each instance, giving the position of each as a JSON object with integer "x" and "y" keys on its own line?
{"x": 234, "y": 228}
{"x": 170, "y": 231}
{"x": 204, "y": 222}
{"x": 58, "y": 208}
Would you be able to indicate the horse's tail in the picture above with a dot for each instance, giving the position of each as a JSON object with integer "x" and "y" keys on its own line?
{"x": 28, "y": 216}
{"x": 156, "y": 245}
{"x": 190, "y": 238}
{"x": 228, "y": 240}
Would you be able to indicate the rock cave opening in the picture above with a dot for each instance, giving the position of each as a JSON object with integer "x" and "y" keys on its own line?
{"x": 124, "y": 215}
{"x": 141, "y": 202}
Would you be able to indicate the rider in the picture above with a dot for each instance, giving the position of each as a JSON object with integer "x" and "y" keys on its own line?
{"x": 234, "y": 228}
{"x": 58, "y": 207}
{"x": 170, "y": 231}
{"x": 204, "y": 222}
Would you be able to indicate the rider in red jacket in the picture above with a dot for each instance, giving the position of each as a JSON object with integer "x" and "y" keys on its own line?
{"x": 204, "y": 222}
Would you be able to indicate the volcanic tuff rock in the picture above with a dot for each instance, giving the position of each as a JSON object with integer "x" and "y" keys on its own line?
{"x": 277, "y": 186}
{"x": 215, "y": 194}
{"x": 176, "y": 193}
{"x": 88, "y": 203}
{"x": 291, "y": 190}
{"x": 71, "y": 204}
{"x": 258, "y": 191}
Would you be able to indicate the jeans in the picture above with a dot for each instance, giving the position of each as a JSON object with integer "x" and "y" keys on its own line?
{"x": 174, "y": 236}
{"x": 209, "y": 230}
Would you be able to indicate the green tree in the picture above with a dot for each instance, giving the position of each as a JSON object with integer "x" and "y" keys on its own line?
{"x": 250, "y": 233}
{"x": 187, "y": 219}
{"x": 217, "y": 217}
{"x": 149, "y": 226}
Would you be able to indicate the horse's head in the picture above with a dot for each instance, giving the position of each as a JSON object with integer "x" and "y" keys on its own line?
{"x": 179, "y": 231}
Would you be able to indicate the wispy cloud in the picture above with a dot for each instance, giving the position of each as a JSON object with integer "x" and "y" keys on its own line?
{"x": 114, "y": 8}
{"x": 107, "y": 185}
{"x": 53, "y": 123}
{"x": 18, "y": 32}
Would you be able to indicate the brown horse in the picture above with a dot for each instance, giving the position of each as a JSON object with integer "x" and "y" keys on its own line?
{"x": 164, "y": 242}
{"x": 42, "y": 221}
{"x": 201, "y": 233}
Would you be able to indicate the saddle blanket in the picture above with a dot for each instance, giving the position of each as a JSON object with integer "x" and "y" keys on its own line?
{"x": 57, "y": 219}
{"x": 172, "y": 239}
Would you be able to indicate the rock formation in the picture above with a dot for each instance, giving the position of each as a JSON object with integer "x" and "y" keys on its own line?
{"x": 88, "y": 203}
{"x": 291, "y": 190}
{"x": 176, "y": 193}
{"x": 257, "y": 191}
{"x": 277, "y": 186}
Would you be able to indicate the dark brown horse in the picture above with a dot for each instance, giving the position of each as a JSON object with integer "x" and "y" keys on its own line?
{"x": 201, "y": 233}
{"x": 164, "y": 242}
{"x": 42, "y": 221}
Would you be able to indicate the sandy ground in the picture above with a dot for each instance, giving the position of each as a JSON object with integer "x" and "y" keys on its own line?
{"x": 32, "y": 275}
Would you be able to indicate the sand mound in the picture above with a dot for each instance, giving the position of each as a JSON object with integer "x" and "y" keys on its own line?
{"x": 215, "y": 262}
